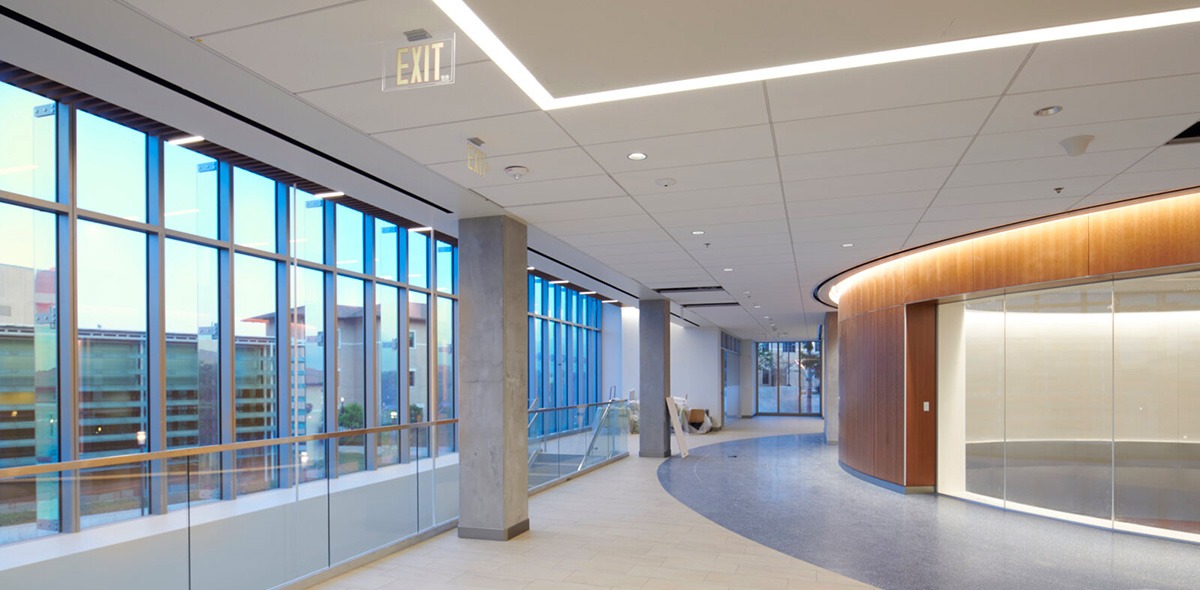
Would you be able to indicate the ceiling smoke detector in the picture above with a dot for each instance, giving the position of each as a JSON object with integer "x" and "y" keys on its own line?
{"x": 1047, "y": 111}
{"x": 516, "y": 172}
{"x": 1076, "y": 146}
{"x": 665, "y": 182}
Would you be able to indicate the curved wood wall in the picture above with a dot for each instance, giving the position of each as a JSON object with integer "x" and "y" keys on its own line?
{"x": 886, "y": 315}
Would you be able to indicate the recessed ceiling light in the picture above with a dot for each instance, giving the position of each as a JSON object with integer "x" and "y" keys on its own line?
{"x": 757, "y": 307}
{"x": 186, "y": 140}
{"x": 610, "y": 301}
{"x": 559, "y": 282}
{"x": 766, "y": 317}
{"x": 481, "y": 35}
{"x": 528, "y": 268}
{"x": 588, "y": 293}
{"x": 848, "y": 245}
{"x": 637, "y": 156}
{"x": 330, "y": 195}
{"x": 729, "y": 270}
{"x": 745, "y": 292}
{"x": 698, "y": 233}
{"x": 1047, "y": 111}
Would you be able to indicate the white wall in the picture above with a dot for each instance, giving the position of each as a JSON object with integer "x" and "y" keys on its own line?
{"x": 611, "y": 345}
{"x": 696, "y": 368}
{"x": 749, "y": 391}
{"x": 631, "y": 369}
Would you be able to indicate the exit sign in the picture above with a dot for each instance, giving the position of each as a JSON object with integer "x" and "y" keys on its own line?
{"x": 417, "y": 64}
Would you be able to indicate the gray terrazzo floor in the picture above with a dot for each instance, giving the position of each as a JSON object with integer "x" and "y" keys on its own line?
{"x": 788, "y": 492}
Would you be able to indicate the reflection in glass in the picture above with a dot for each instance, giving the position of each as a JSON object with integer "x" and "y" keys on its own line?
{"x": 253, "y": 210}
{"x": 27, "y": 144}
{"x": 418, "y": 357}
{"x": 1058, "y": 399}
{"x": 256, "y": 396}
{"x": 387, "y": 250}
{"x": 1157, "y": 402}
{"x": 193, "y": 362}
{"x": 418, "y": 258}
{"x": 28, "y": 369}
{"x": 308, "y": 226}
{"x": 190, "y": 191}
{"x": 349, "y": 235}
{"x": 351, "y": 374}
{"x": 447, "y": 267}
{"x": 445, "y": 358}
{"x": 387, "y": 353}
{"x": 110, "y": 168}
{"x": 308, "y": 368}
{"x": 983, "y": 327}
{"x": 113, "y": 402}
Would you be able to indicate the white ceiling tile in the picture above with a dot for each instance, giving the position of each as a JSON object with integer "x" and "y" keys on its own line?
{"x": 801, "y": 224}
{"x": 1170, "y": 157}
{"x": 704, "y": 218}
{"x": 740, "y": 238}
{"x": 598, "y": 225}
{"x": 1152, "y": 53}
{"x": 1043, "y": 143}
{"x": 552, "y": 191}
{"x": 1093, "y": 164}
{"x": 853, "y": 234}
{"x": 479, "y": 90}
{"x": 926, "y": 81}
{"x": 704, "y": 147}
{"x": 668, "y": 114}
{"x": 547, "y": 165}
{"x": 848, "y": 205}
{"x": 503, "y": 135}
{"x": 1094, "y": 200}
{"x": 760, "y": 194}
{"x": 338, "y": 45}
{"x": 197, "y": 18}
{"x": 1158, "y": 97}
{"x": 607, "y": 255}
{"x": 715, "y": 232}
{"x": 901, "y": 125}
{"x": 951, "y": 228}
{"x": 1031, "y": 208}
{"x": 619, "y": 237}
{"x": 1021, "y": 191}
{"x": 634, "y": 249}
{"x": 871, "y": 160}
{"x": 830, "y": 247}
{"x": 867, "y": 184}
{"x": 1146, "y": 183}
{"x": 537, "y": 214}
{"x": 782, "y": 256}
{"x": 708, "y": 176}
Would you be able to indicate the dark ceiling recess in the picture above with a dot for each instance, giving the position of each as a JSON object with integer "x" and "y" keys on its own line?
{"x": 1189, "y": 135}
{"x": 705, "y": 289}
{"x": 727, "y": 304}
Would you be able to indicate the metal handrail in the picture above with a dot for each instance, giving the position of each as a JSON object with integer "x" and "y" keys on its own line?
{"x": 592, "y": 405}
{"x": 595, "y": 434}
{"x": 77, "y": 464}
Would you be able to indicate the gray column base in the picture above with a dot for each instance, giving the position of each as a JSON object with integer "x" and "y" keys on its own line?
{"x": 654, "y": 454}
{"x": 494, "y": 534}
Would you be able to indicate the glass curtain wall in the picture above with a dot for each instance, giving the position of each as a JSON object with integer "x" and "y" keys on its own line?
{"x": 1080, "y": 402}
{"x": 788, "y": 377}
{"x": 156, "y": 287}
{"x": 564, "y": 358}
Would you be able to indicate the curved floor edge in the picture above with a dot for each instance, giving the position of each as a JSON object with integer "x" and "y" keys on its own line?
{"x": 788, "y": 493}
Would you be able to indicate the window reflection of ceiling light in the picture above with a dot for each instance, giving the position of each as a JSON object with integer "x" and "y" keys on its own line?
{"x": 481, "y": 35}
{"x": 588, "y": 293}
{"x": 559, "y": 282}
{"x": 16, "y": 169}
{"x": 186, "y": 140}
{"x": 610, "y": 301}
{"x": 528, "y": 268}
{"x": 330, "y": 195}
{"x": 180, "y": 212}
{"x": 421, "y": 229}
{"x": 637, "y": 156}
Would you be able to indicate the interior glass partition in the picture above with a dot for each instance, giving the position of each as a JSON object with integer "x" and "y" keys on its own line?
{"x": 788, "y": 377}
{"x": 1079, "y": 402}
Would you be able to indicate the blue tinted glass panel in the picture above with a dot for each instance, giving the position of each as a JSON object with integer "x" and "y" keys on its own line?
{"x": 387, "y": 250}
{"x": 308, "y": 227}
{"x": 110, "y": 168}
{"x": 253, "y": 210}
{"x": 418, "y": 258}
{"x": 349, "y": 238}
{"x": 190, "y": 197}
{"x": 447, "y": 267}
{"x": 27, "y": 143}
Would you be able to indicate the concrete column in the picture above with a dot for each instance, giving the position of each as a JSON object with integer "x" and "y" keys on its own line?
{"x": 654, "y": 343}
{"x": 829, "y": 378}
{"x": 493, "y": 348}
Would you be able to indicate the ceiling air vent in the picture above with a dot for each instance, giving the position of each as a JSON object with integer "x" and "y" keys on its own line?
{"x": 706, "y": 289}
{"x": 723, "y": 304}
{"x": 1189, "y": 135}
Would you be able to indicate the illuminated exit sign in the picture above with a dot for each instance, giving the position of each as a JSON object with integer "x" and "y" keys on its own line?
{"x": 417, "y": 64}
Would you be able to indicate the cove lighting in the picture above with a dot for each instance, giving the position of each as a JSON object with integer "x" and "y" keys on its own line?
{"x": 330, "y": 195}
{"x": 559, "y": 282}
{"x": 186, "y": 140}
{"x": 481, "y": 35}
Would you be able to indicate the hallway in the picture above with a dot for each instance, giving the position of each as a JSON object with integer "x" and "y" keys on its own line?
{"x": 614, "y": 528}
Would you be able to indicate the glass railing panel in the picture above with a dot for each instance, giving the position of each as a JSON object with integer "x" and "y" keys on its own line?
{"x": 446, "y": 474}
{"x": 273, "y": 536}
{"x": 29, "y": 507}
{"x": 114, "y": 493}
{"x": 424, "y": 468}
{"x": 369, "y": 509}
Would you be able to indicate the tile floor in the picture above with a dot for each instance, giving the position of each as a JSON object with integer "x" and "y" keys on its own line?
{"x": 613, "y": 528}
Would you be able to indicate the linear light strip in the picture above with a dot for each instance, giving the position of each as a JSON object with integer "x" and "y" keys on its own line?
{"x": 466, "y": 20}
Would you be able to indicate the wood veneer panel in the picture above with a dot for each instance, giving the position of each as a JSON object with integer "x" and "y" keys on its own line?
{"x": 921, "y": 388}
{"x": 887, "y": 334}
{"x": 1147, "y": 235}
